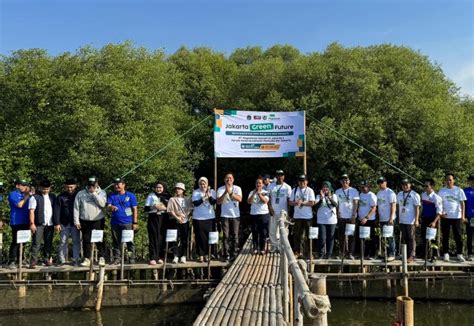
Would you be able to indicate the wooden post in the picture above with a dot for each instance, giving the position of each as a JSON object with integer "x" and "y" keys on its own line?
{"x": 209, "y": 264}
{"x": 428, "y": 242}
{"x": 310, "y": 269}
{"x": 166, "y": 258}
{"x": 304, "y": 133}
{"x": 91, "y": 266}
{"x": 20, "y": 262}
{"x": 215, "y": 172}
{"x": 405, "y": 268}
{"x": 385, "y": 251}
{"x": 343, "y": 253}
{"x": 362, "y": 249}
{"x": 100, "y": 285}
{"x": 405, "y": 311}
{"x": 122, "y": 262}
{"x": 318, "y": 287}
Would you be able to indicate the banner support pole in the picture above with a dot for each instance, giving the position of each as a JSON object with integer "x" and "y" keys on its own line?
{"x": 304, "y": 144}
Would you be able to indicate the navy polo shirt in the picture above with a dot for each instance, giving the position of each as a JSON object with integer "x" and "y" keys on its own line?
{"x": 18, "y": 215}
{"x": 125, "y": 204}
{"x": 469, "y": 201}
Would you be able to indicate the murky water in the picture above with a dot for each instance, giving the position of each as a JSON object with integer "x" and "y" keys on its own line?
{"x": 344, "y": 312}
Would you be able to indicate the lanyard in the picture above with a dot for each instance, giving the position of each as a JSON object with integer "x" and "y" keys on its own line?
{"x": 405, "y": 198}
{"x": 346, "y": 194}
{"x": 278, "y": 191}
{"x": 303, "y": 193}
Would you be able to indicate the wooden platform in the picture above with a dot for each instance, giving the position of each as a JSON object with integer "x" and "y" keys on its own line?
{"x": 380, "y": 262}
{"x": 127, "y": 267}
{"x": 249, "y": 294}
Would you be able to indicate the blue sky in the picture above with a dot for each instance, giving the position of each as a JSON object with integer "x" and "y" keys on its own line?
{"x": 443, "y": 30}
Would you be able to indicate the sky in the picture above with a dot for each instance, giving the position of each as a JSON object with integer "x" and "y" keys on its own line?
{"x": 442, "y": 30}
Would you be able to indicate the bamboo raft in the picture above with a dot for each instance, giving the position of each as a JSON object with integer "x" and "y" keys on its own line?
{"x": 249, "y": 293}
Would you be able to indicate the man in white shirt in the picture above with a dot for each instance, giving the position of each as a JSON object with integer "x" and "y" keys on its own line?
{"x": 408, "y": 203}
{"x": 280, "y": 193}
{"x": 229, "y": 196}
{"x": 302, "y": 199}
{"x": 41, "y": 223}
{"x": 348, "y": 199}
{"x": 431, "y": 210}
{"x": 387, "y": 210}
{"x": 453, "y": 216}
{"x": 366, "y": 212}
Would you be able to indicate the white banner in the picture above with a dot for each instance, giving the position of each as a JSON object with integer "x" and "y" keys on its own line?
{"x": 23, "y": 236}
{"x": 387, "y": 231}
{"x": 127, "y": 236}
{"x": 364, "y": 232}
{"x": 313, "y": 232}
{"x": 171, "y": 235}
{"x": 213, "y": 237}
{"x": 258, "y": 134}
{"x": 430, "y": 233}
{"x": 350, "y": 229}
{"x": 97, "y": 235}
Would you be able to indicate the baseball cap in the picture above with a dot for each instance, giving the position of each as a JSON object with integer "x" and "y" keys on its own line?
{"x": 92, "y": 180}
{"x": 381, "y": 180}
{"x": 279, "y": 172}
{"x": 180, "y": 185}
{"x": 45, "y": 184}
{"x": 23, "y": 182}
{"x": 344, "y": 176}
{"x": 266, "y": 176}
{"x": 119, "y": 180}
{"x": 364, "y": 183}
{"x": 302, "y": 177}
{"x": 471, "y": 176}
{"x": 405, "y": 181}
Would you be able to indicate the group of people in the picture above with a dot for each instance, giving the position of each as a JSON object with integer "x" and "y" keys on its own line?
{"x": 76, "y": 213}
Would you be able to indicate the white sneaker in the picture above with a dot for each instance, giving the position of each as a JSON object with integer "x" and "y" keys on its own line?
{"x": 446, "y": 257}
{"x": 183, "y": 260}
{"x": 461, "y": 258}
{"x": 86, "y": 262}
{"x": 471, "y": 258}
{"x": 175, "y": 260}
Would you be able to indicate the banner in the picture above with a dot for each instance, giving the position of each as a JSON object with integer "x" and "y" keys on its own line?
{"x": 258, "y": 134}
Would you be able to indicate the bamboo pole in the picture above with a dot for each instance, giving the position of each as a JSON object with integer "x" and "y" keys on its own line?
{"x": 405, "y": 311}
{"x": 100, "y": 285}
{"x": 405, "y": 269}
{"x": 318, "y": 287}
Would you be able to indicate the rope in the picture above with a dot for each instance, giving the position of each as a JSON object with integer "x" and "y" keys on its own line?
{"x": 163, "y": 148}
{"x": 363, "y": 148}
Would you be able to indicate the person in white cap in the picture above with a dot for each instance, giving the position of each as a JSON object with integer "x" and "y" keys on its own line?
{"x": 179, "y": 207}
{"x": 453, "y": 215}
{"x": 303, "y": 199}
{"x": 409, "y": 203}
{"x": 387, "y": 212}
{"x": 348, "y": 198}
{"x": 204, "y": 216}
{"x": 280, "y": 193}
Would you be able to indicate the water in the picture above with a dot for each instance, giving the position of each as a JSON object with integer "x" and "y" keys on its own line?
{"x": 344, "y": 312}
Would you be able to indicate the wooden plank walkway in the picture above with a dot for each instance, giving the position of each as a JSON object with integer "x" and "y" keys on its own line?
{"x": 249, "y": 294}
{"x": 127, "y": 267}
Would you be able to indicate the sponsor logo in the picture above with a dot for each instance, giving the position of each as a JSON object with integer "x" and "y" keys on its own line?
{"x": 257, "y": 117}
{"x": 264, "y": 117}
{"x": 249, "y": 117}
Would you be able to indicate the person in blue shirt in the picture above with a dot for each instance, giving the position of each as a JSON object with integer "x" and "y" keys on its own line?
{"x": 469, "y": 191}
{"x": 19, "y": 216}
{"x": 123, "y": 205}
